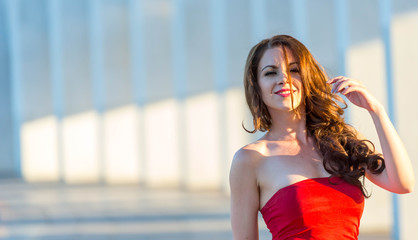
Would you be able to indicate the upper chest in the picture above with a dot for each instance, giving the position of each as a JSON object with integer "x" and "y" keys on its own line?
{"x": 282, "y": 170}
{"x": 285, "y": 164}
{"x": 288, "y": 158}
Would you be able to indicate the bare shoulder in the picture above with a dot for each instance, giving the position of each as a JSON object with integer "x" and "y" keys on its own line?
{"x": 246, "y": 160}
{"x": 244, "y": 193}
{"x": 249, "y": 154}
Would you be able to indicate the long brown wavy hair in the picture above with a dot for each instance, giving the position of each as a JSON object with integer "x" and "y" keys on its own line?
{"x": 344, "y": 155}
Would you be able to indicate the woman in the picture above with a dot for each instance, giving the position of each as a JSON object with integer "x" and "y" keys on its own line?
{"x": 304, "y": 174}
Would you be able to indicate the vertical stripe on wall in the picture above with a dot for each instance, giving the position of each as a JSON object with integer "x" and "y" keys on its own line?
{"x": 97, "y": 58}
{"x": 138, "y": 69}
{"x": 15, "y": 79}
{"x": 56, "y": 75}
{"x": 179, "y": 77}
{"x": 137, "y": 51}
{"x": 258, "y": 20}
{"x": 385, "y": 28}
{"x": 219, "y": 41}
{"x": 342, "y": 31}
{"x": 299, "y": 19}
{"x": 179, "y": 49}
{"x": 220, "y": 65}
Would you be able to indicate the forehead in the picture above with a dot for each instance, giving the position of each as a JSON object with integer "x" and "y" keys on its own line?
{"x": 275, "y": 56}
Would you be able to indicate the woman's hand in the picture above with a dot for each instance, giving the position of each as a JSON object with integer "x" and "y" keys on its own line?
{"x": 398, "y": 176}
{"x": 355, "y": 92}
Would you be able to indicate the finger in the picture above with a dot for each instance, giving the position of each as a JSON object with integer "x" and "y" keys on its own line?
{"x": 343, "y": 83}
{"x": 331, "y": 81}
{"x": 352, "y": 89}
{"x": 335, "y": 79}
{"x": 336, "y": 85}
{"x": 340, "y": 78}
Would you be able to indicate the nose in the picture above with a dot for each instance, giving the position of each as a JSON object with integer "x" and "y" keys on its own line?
{"x": 282, "y": 78}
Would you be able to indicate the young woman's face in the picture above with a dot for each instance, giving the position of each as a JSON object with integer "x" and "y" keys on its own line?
{"x": 274, "y": 81}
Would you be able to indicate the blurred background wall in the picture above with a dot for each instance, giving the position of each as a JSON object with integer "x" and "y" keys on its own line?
{"x": 150, "y": 91}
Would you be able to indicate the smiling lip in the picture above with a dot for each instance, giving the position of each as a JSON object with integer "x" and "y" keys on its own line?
{"x": 283, "y": 92}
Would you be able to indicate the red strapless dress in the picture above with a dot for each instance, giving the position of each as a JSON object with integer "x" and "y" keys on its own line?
{"x": 316, "y": 208}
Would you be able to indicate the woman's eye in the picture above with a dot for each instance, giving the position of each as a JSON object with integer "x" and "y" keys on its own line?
{"x": 270, "y": 73}
{"x": 296, "y": 70}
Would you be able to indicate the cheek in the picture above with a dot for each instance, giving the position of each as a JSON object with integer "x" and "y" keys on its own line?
{"x": 301, "y": 96}
{"x": 265, "y": 88}
{"x": 297, "y": 84}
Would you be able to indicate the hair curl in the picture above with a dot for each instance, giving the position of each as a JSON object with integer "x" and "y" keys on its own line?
{"x": 344, "y": 155}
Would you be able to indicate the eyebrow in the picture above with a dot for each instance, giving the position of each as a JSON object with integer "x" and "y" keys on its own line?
{"x": 274, "y": 66}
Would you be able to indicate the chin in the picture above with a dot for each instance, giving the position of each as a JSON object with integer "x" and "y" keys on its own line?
{"x": 281, "y": 108}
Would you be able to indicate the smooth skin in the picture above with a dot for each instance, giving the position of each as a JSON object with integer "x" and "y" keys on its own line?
{"x": 286, "y": 155}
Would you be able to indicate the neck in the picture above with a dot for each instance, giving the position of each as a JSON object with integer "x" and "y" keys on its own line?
{"x": 287, "y": 126}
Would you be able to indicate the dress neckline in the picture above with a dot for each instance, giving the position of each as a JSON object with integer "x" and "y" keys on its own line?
{"x": 315, "y": 179}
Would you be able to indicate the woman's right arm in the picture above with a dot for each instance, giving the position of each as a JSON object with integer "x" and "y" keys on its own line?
{"x": 244, "y": 196}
